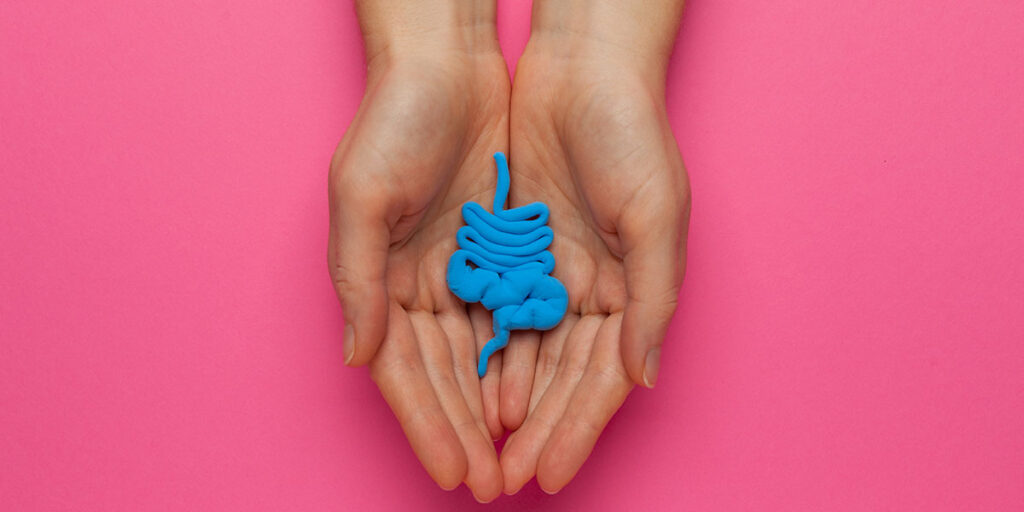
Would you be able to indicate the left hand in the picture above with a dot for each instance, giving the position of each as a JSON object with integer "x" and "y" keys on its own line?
{"x": 590, "y": 137}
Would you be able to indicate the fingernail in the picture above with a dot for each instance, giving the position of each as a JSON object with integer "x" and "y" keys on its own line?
{"x": 350, "y": 344}
{"x": 652, "y": 363}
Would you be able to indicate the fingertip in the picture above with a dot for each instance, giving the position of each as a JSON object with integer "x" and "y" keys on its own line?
{"x": 642, "y": 334}
{"x": 494, "y": 428}
{"x": 359, "y": 356}
{"x": 652, "y": 365}
{"x": 548, "y": 486}
{"x": 552, "y": 476}
{"x": 515, "y": 470}
{"x": 518, "y": 369}
{"x": 443, "y": 458}
{"x": 513, "y": 408}
{"x": 349, "y": 343}
{"x": 490, "y": 494}
{"x": 569, "y": 446}
{"x": 551, "y": 492}
{"x": 548, "y": 479}
{"x": 366, "y": 320}
{"x": 513, "y": 485}
{"x": 633, "y": 358}
{"x": 484, "y": 500}
{"x": 441, "y": 453}
{"x": 450, "y": 473}
{"x": 484, "y": 477}
{"x": 487, "y": 484}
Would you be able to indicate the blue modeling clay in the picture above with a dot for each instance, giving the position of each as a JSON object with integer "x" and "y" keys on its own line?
{"x": 503, "y": 263}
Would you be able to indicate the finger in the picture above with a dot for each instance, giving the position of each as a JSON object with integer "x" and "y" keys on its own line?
{"x": 551, "y": 345}
{"x": 522, "y": 450}
{"x": 463, "y": 346}
{"x": 357, "y": 259}
{"x": 399, "y": 372}
{"x": 601, "y": 392}
{"x": 490, "y": 384}
{"x": 519, "y": 360}
{"x": 483, "y": 476}
{"x": 653, "y": 235}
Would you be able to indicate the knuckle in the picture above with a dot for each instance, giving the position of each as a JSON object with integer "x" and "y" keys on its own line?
{"x": 612, "y": 375}
{"x": 341, "y": 276}
{"x": 547, "y": 362}
{"x": 394, "y": 368}
{"x": 573, "y": 367}
{"x": 665, "y": 308}
{"x": 465, "y": 366}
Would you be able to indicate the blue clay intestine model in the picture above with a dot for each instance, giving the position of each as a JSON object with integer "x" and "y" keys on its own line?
{"x": 503, "y": 263}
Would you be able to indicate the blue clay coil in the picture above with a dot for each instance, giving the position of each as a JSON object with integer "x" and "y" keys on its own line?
{"x": 503, "y": 263}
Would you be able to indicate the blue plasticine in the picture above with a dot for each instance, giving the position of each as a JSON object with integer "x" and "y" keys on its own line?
{"x": 503, "y": 263}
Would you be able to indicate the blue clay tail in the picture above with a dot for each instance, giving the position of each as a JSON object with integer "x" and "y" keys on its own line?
{"x": 495, "y": 344}
{"x": 501, "y": 191}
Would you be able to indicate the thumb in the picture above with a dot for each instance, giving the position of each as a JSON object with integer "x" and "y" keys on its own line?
{"x": 357, "y": 256}
{"x": 654, "y": 260}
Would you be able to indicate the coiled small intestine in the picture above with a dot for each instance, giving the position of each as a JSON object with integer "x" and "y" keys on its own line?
{"x": 508, "y": 249}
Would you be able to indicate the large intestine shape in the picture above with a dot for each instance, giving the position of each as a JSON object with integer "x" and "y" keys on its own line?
{"x": 503, "y": 263}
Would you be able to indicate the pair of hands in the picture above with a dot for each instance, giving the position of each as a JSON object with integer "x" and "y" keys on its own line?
{"x": 586, "y": 132}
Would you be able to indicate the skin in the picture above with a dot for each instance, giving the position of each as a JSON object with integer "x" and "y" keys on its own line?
{"x": 435, "y": 106}
{"x": 588, "y": 135}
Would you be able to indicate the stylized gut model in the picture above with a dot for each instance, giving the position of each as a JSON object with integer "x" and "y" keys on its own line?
{"x": 503, "y": 263}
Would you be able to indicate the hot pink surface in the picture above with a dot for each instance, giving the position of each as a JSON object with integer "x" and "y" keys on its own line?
{"x": 851, "y": 334}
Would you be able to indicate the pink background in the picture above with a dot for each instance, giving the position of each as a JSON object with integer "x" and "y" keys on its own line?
{"x": 851, "y": 335}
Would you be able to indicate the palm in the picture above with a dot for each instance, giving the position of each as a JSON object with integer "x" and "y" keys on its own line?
{"x": 590, "y": 149}
{"x": 413, "y": 155}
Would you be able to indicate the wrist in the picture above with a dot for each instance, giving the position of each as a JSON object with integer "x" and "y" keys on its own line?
{"x": 632, "y": 35}
{"x": 395, "y": 31}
